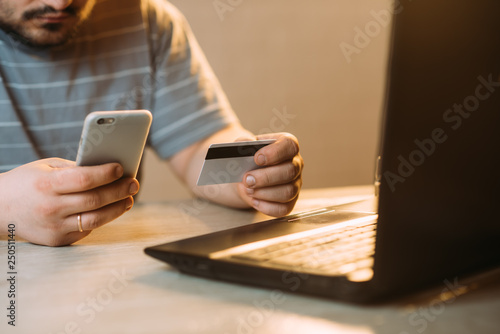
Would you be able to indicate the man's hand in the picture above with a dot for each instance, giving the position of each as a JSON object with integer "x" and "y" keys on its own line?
{"x": 45, "y": 197}
{"x": 273, "y": 189}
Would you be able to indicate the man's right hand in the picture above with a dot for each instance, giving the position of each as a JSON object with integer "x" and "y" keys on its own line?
{"x": 45, "y": 197}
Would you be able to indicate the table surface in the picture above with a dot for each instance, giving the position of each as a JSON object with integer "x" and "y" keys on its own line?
{"x": 106, "y": 284}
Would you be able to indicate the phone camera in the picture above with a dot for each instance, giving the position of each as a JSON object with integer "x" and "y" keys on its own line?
{"x": 105, "y": 121}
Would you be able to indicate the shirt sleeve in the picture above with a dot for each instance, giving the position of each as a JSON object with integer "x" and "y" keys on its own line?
{"x": 188, "y": 102}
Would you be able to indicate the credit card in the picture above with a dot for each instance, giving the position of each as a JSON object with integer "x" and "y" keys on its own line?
{"x": 228, "y": 162}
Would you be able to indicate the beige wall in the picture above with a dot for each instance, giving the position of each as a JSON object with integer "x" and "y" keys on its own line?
{"x": 284, "y": 57}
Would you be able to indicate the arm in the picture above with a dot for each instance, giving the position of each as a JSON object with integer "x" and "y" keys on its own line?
{"x": 276, "y": 187}
{"x": 273, "y": 190}
{"x": 45, "y": 197}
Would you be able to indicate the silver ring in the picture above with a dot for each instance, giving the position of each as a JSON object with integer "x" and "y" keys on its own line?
{"x": 79, "y": 218}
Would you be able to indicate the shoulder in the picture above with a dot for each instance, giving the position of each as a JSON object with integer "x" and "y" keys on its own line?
{"x": 162, "y": 15}
{"x": 168, "y": 30}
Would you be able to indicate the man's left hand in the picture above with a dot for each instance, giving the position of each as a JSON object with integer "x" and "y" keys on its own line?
{"x": 274, "y": 188}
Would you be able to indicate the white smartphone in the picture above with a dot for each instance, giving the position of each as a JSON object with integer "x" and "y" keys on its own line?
{"x": 114, "y": 136}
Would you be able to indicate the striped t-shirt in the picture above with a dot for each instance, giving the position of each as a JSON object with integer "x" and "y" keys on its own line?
{"x": 130, "y": 54}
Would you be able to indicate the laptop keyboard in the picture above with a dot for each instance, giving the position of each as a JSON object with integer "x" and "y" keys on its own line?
{"x": 342, "y": 251}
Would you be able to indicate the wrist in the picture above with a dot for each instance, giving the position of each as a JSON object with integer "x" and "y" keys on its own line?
{"x": 225, "y": 194}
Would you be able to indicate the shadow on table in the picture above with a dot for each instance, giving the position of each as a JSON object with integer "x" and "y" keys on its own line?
{"x": 404, "y": 315}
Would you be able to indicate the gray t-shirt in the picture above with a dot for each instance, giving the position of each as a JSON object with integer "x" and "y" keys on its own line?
{"x": 130, "y": 54}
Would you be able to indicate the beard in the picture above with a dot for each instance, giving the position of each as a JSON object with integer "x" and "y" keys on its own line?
{"x": 40, "y": 42}
{"x": 48, "y": 34}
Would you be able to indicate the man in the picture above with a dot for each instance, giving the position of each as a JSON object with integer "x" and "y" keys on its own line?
{"x": 60, "y": 60}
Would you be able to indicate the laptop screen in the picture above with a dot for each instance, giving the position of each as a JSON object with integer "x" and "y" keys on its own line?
{"x": 440, "y": 177}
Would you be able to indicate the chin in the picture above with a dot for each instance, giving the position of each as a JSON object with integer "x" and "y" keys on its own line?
{"x": 46, "y": 39}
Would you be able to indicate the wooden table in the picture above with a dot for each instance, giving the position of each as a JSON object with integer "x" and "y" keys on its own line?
{"x": 106, "y": 284}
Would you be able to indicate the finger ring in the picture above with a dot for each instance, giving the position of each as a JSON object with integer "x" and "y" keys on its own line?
{"x": 79, "y": 218}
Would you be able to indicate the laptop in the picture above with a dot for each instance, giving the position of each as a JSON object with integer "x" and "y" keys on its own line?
{"x": 435, "y": 219}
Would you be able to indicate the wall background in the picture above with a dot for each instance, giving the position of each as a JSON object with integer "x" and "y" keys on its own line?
{"x": 282, "y": 66}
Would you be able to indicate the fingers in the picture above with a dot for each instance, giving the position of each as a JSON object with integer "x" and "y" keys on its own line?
{"x": 285, "y": 148}
{"x": 91, "y": 220}
{"x": 279, "y": 194}
{"x": 96, "y": 207}
{"x": 57, "y": 191}
{"x": 69, "y": 231}
{"x": 69, "y": 204}
{"x": 275, "y": 201}
{"x": 274, "y": 189}
{"x": 274, "y": 175}
{"x": 99, "y": 197}
{"x": 272, "y": 208}
{"x": 70, "y": 180}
